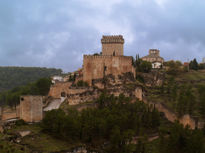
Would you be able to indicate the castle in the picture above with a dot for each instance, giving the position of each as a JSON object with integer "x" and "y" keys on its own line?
{"x": 112, "y": 61}
{"x": 154, "y": 58}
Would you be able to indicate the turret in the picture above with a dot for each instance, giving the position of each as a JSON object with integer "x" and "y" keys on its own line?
{"x": 112, "y": 45}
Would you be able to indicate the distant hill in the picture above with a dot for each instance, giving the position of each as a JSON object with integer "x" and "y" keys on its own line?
{"x": 11, "y": 77}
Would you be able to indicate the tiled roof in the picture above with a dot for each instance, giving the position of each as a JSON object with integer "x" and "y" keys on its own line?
{"x": 152, "y": 56}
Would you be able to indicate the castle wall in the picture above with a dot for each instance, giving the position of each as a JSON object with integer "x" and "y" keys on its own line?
{"x": 93, "y": 66}
{"x": 112, "y": 48}
{"x": 10, "y": 113}
{"x": 31, "y": 108}
{"x": 58, "y": 88}
{"x": 172, "y": 117}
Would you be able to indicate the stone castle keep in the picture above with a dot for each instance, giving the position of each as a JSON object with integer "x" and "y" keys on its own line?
{"x": 110, "y": 71}
{"x": 112, "y": 61}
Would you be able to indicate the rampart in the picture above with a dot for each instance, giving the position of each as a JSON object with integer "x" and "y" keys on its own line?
{"x": 172, "y": 117}
{"x": 10, "y": 113}
{"x": 58, "y": 88}
{"x": 96, "y": 67}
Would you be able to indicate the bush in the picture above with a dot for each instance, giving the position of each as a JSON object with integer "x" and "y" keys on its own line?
{"x": 20, "y": 122}
{"x": 82, "y": 83}
{"x": 174, "y": 67}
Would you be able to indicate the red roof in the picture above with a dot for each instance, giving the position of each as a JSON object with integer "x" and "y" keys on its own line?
{"x": 186, "y": 64}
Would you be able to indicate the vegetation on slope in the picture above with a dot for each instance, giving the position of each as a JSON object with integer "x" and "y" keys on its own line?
{"x": 115, "y": 126}
{"x": 114, "y": 123}
{"x": 11, "y": 97}
{"x": 11, "y": 77}
{"x": 181, "y": 91}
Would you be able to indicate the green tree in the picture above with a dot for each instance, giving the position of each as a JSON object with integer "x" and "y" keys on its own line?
{"x": 145, "y": 66}
{"x": 201, "y": 90}
{"x": 43, "y": 86}
{"x": 142, "y": 66}
{"x": 194, "y": 64}
{"x": 173, "y": 67}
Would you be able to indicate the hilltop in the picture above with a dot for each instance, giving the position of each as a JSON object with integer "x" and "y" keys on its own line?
{"x": 113, "y": 104}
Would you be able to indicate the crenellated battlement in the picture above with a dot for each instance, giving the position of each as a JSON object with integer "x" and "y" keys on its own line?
{"x": 111, "y": 61}
{"x": 105, "y": 56}
{"x": 112, "y": 39}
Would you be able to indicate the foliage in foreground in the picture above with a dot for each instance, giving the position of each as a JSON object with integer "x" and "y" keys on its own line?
{"x": 182, "y": 140}
{"x": 116, "y": 121}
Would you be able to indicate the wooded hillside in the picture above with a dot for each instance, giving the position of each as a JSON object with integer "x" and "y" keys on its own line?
{"x": 11, "y": 77}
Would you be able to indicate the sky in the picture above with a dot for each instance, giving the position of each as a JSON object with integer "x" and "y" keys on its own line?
{"x": 56, "y": 33}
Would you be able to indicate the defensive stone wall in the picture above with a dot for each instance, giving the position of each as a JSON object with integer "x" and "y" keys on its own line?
{"x": 96, "y": 67}
{"x": 31, "y": 108}
{"x": 63, "y": 88}
{"x": 58, "y": 88}
{"x": 10, "y": 113}
{"x": 172, "y": 117}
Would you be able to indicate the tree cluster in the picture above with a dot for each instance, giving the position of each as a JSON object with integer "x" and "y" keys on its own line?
{"x": 12, "y": 97}
{"x": 142, "y": 66}
{"x": 115, "y": 122}
{"x": 12, "y": 77}
{"x": 194, "y": 65}
{"x": 181, "y": 140}
{"x": 173, "y": 67}
{"x": 184, "y": 98}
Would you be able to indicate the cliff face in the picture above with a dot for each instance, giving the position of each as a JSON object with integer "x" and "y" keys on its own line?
{"x": 154, "y": 78}
{"x": 153, "y": 96}
{"x": 123, "y": 84}
{"x": 116, "y": 85}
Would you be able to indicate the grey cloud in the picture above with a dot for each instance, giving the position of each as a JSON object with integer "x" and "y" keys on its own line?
{"x": 55, "y": 33}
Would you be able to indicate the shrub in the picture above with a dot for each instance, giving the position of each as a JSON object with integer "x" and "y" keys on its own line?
{"x": 82, "y": 83}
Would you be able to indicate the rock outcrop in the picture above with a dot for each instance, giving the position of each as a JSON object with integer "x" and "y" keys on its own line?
{"x": 154, "y": 78}
{"x": 122, "y": 84}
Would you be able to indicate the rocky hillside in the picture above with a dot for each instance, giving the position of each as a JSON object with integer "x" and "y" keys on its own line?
{"x": 182, "y": 93}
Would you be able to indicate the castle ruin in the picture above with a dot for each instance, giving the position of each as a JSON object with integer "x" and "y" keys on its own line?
{"x": 112, "y": 61}
{"x": 31, "y": 108}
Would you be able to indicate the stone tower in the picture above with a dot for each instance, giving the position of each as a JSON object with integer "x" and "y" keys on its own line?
{"x": 154, "y": 52}
{"x": 112, "y": 45}
{"x": 31, "y": 108}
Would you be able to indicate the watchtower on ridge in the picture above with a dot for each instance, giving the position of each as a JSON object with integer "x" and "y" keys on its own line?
{"x": 112, "y": 45}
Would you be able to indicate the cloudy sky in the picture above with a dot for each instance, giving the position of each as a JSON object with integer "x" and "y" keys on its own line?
{"x": 56, "y": 33}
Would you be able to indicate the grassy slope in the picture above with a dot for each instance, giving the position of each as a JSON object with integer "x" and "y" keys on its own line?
{"x": 37, "y": 140}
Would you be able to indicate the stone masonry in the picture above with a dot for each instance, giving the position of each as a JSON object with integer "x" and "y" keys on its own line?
{"x": 31, "y": 108}
{"x": 111, "y": 61}
{"x": 112, "y": 45}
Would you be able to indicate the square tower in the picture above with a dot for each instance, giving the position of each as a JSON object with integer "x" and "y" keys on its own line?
{"x": 154, "y": 52}
{"x": 31, "y": 108}
{"x": 112, "y": 45}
